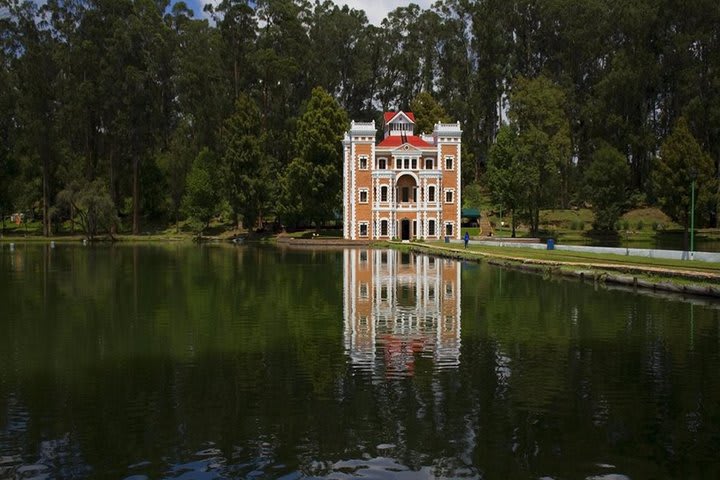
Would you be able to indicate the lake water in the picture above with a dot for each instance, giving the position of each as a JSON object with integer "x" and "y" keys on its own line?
{"x": 179, "y": 361}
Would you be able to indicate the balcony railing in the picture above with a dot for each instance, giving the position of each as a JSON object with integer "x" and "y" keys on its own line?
{"x": 448, "y": 128}
{"x": 363, "y": 128}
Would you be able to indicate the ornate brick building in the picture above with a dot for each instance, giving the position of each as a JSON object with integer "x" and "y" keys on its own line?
{"x": 407, "y": 186}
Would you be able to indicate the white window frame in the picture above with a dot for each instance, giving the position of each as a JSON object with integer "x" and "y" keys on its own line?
{"x": 360, "y": 233}
{"x": 432, "y": 163}
{"x": 449, "y": 289}
{"x": 387, "y": 228}
{"x": 380, "y": 162}
{"x": 360, "y": 163}
{"x": 386, "y": 197}
{"x": 452, "y": 162}
{"x": 452, "y": 228}
{"x": 360, "y": 195}
{"x": 432, "y": 197}
{"x": 451, "y": 191}
{"x": 432, "y": 228}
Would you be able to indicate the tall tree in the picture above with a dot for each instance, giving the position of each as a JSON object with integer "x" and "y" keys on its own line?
{"x": 312, "y": 182}
{"x": 202, "y": 198}
{"x": 7, "y": 110}
{"x": 536, "y": 109}
{"x": 237, "y": 23}
{"x": 682, "y": 162}
{"x": 37, "y": 72}
{"x": 606, "y": 186}
{"x": 175, "y": 163}
{"x": 509, "y": 176}
{"x": 247, "y": 171}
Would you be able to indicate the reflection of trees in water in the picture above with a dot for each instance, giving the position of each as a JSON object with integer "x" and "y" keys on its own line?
{"x": 126, "y": 354}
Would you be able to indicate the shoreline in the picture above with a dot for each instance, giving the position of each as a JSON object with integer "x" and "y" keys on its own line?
{"x": 670, "y": 280}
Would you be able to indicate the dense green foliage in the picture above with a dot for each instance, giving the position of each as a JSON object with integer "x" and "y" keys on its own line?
{"x": 681, "y": 162}
{"x": 130, "y": 91}
{"x": 508, "y": 176}
{"x": 202, "y": 198}
{"x": 606, "y": 182}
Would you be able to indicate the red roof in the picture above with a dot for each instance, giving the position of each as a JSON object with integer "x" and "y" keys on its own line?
{"x": 397, "y": 140}
{"x": 389, "y": 116}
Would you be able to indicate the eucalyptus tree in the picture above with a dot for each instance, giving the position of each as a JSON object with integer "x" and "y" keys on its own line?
{"x": 281, "y": 59}
{"x": 201, "y": 85}
{"x": 402, "y": 57}
{"x": 8, "y": 91}
{"x": 237, "y": 23}
{"x": 37, "y": 104}
{"x": 341, "y": 55}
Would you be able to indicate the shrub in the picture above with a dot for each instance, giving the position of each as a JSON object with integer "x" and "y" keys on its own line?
{"x": 640, "y": 225}
{"x": 655, "y": 226}
{"x": 574, "y": 225}
{"x": 581, "y": 225}
{"x": 625, "y": 225}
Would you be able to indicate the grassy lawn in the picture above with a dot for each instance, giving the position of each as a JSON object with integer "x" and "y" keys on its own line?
{"x": 588, "y": 258}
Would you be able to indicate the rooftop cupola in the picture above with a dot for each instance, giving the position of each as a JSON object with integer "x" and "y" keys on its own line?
{"x": 401, "y": 124}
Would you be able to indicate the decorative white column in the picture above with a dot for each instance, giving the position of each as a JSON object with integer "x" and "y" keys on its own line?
{"x": 353, "y": 197}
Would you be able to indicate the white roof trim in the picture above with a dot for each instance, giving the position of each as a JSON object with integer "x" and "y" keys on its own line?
{"x": 396, "y": 115}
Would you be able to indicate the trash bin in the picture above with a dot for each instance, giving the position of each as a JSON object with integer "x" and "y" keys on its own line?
{"x": 447, "y": 239}
{"x": 550, "y": 244}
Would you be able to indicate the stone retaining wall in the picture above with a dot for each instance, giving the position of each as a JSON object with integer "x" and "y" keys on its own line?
{"x": 634, "y": 252}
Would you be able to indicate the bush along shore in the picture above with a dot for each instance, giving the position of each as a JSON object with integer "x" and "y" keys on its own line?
{"x": 660, "y": 278}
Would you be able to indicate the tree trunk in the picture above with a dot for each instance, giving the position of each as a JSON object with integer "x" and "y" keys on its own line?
{"x": 237, "y": 78}
{"x": 136, "y": 196}
{"x": 717, "y": 202}
{"x": 113, "y": 189}
{"x": 46, "y": 195}
{"x": 512, "y": 220}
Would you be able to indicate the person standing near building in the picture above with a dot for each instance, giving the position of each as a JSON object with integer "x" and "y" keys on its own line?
{"x": 467, "y": 239}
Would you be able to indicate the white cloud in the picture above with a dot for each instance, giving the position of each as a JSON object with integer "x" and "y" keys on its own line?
{"x": 377, "y": 10}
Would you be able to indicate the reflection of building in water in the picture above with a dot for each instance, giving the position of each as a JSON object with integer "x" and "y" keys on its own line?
{"x": 398, "y": 305}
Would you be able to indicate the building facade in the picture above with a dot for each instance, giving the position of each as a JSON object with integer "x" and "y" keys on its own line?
{"x": 407, "y": 186}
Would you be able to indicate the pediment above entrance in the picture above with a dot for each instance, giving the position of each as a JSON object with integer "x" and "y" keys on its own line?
{"x": 406, "y": 149}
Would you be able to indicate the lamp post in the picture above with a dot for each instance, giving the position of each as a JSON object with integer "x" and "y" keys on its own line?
{"x": 693, "y": 176}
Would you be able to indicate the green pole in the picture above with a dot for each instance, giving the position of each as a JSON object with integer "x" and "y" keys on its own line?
{"x": 692, "y": 217}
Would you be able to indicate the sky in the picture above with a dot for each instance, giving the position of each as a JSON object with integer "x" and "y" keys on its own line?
{"x": 376, "y": 10}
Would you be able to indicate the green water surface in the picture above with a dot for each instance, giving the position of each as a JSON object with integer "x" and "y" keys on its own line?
{"x": 203, "y": 362}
